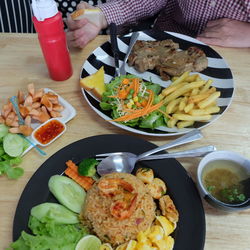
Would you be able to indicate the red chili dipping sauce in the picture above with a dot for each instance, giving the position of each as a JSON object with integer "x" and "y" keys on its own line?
{"x": 49, "y": 131}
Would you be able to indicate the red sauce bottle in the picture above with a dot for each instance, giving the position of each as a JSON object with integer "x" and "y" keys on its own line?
{"x": 49, "y": 26}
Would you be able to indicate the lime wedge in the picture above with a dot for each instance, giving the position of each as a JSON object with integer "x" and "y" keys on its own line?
{"x": 89, "y": 242}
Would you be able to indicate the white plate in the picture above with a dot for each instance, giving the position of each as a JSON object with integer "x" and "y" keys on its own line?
{"x": 67, "y": 114}
{"x": 217, "y": 70}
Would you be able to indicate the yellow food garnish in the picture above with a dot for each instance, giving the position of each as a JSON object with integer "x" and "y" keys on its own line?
{"x": 131, "y": 245}
{"x": 122, "y": 246}
{"x": 156, "y": 233}
{"x": 94, "y": 83}
{"x": 167, "y": 225}
{"x": 106, "y": 246}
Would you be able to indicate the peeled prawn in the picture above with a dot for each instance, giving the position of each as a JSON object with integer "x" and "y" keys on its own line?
{"x": 110, "y": 186}
{"x": 122, "y": 210}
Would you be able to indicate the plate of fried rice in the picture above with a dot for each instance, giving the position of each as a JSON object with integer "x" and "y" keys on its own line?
{"x": 103, "y": 212}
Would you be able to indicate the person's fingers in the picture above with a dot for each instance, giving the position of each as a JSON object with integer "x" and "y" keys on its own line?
{"x": 84, "y": 5}
{"x": 73, "y": 25}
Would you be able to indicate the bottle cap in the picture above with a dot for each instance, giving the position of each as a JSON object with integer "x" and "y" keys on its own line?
{"x": 43, "y": 9}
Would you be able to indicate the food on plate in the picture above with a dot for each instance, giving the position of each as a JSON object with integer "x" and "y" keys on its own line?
{"x": 89, "y": 242}
{"x": 49, "y": 131}
{"x": 134, "y": 102}
{"x": 188, "y": 99}
{"x": 146, "y": 175}
{"x": 94, "y": 83}
{"x": 87, "y": 167}
{"x": 121, "y": 211}
{"x": 166, "y": 58}
{"x": 48, "y": 234}
{"x": 72, "y": 171}
{"x": 118, "y": 207}
{"x": 67, "y": 192}
{"x": 36, "y": 106}
{"x": 168, "y": 208}
{"x": 157, "y": 188}
{"x": 11, "y": 148}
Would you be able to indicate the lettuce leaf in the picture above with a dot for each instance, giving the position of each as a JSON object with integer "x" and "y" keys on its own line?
{"x": 49, "y": 235}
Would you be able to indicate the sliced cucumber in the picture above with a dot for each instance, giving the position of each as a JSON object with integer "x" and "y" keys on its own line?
{"x": 68, "y": 192}
{"x": 54, "y": 211}
{"x": 13, "y": 144}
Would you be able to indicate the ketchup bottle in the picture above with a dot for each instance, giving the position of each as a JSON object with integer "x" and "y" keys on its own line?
{"x": 49, "y": 26}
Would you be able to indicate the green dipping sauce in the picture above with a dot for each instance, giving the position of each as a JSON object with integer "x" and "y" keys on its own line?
{"x": 222, "y": 180}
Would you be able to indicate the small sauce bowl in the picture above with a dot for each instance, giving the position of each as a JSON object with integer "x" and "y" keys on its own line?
{"x": 237, "y": 165}
{"x": 48, "y": 132}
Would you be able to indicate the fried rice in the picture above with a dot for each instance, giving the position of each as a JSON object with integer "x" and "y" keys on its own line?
{"x": 97, "y": 216}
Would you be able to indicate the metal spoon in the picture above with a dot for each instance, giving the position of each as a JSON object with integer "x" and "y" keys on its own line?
{"x": 112, "y": 163}
{"x": 126, "y": 164}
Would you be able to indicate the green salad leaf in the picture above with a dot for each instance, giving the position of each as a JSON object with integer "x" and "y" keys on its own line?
{"x": 11, "y": 148}
{"x": 110, "y": 102}
{"x": 49, "y": 235}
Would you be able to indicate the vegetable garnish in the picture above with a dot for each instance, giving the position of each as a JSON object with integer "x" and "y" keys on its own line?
{"x": 132, "y": 101}
{"x": 72, "y": 171}
{"x": 87, "y": 167}
{"x": 11, "y": 148}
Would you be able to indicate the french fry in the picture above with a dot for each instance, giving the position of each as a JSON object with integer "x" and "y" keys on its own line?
{"x": 184, "y": 124}
{"x": 198, "y": 112}
{"x": 181, "y": 78}
{"x": 199, "y": 97}
{"x": 194, "y": 92}
{"x": 171, "y": 105}
{"x": 209, "y": 100}
{"x": 212, "y": 110}
{"x": 185, "y": 117}
{"x": 182, "y": 103}
{"x": 206, "y": 86}
{"x": 171, "y": 122}
{"x": 189, "y": 107}
{"x": 191, "y": 78}
{"x": 182, "y": 90}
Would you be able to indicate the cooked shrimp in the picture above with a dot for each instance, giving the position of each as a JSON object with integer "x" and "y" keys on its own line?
{"x": 20, "y": 97}
{"x": 122, "y": 210}
{"x": 145, "y": 174}
{"x": 157, "y": 188}
{"x": 110, "y": 186}
{"x": 168, "y": 208}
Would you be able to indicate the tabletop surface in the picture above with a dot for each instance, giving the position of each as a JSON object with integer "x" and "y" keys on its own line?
{"x": 21, "y": 62}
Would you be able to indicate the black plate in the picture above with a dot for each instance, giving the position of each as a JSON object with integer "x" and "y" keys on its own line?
{"x": 190, "y": 231}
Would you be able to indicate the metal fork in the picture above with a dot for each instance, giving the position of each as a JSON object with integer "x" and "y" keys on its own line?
{"x": 115, "y": 50}
{"x": 133, "y": 39}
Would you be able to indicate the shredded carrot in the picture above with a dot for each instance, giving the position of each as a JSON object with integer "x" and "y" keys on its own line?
{"x": 122, "y": 94}
{"x": 125, "y": 81}
{"x": 136, "y": 86}
{"x": 141, "y": 112}
{"x": 72, "y": 171}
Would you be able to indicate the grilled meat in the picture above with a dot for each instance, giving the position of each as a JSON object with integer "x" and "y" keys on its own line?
{"x": 165, "y": 57}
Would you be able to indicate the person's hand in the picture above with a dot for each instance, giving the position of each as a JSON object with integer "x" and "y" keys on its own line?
{"x": 227, "y": 33}
{"x": 81, "y": 32}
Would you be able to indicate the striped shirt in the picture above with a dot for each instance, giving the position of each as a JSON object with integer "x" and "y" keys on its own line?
{"x": 183, "y": 16}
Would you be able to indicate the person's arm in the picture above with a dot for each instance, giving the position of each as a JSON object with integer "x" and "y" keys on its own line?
{"x": 226, "y": 33}
{"x": 120, "y": 12}
{"x": 129, "y": 11}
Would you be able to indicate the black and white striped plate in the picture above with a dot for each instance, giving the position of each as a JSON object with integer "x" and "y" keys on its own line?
{"x": 217, "y": 70}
